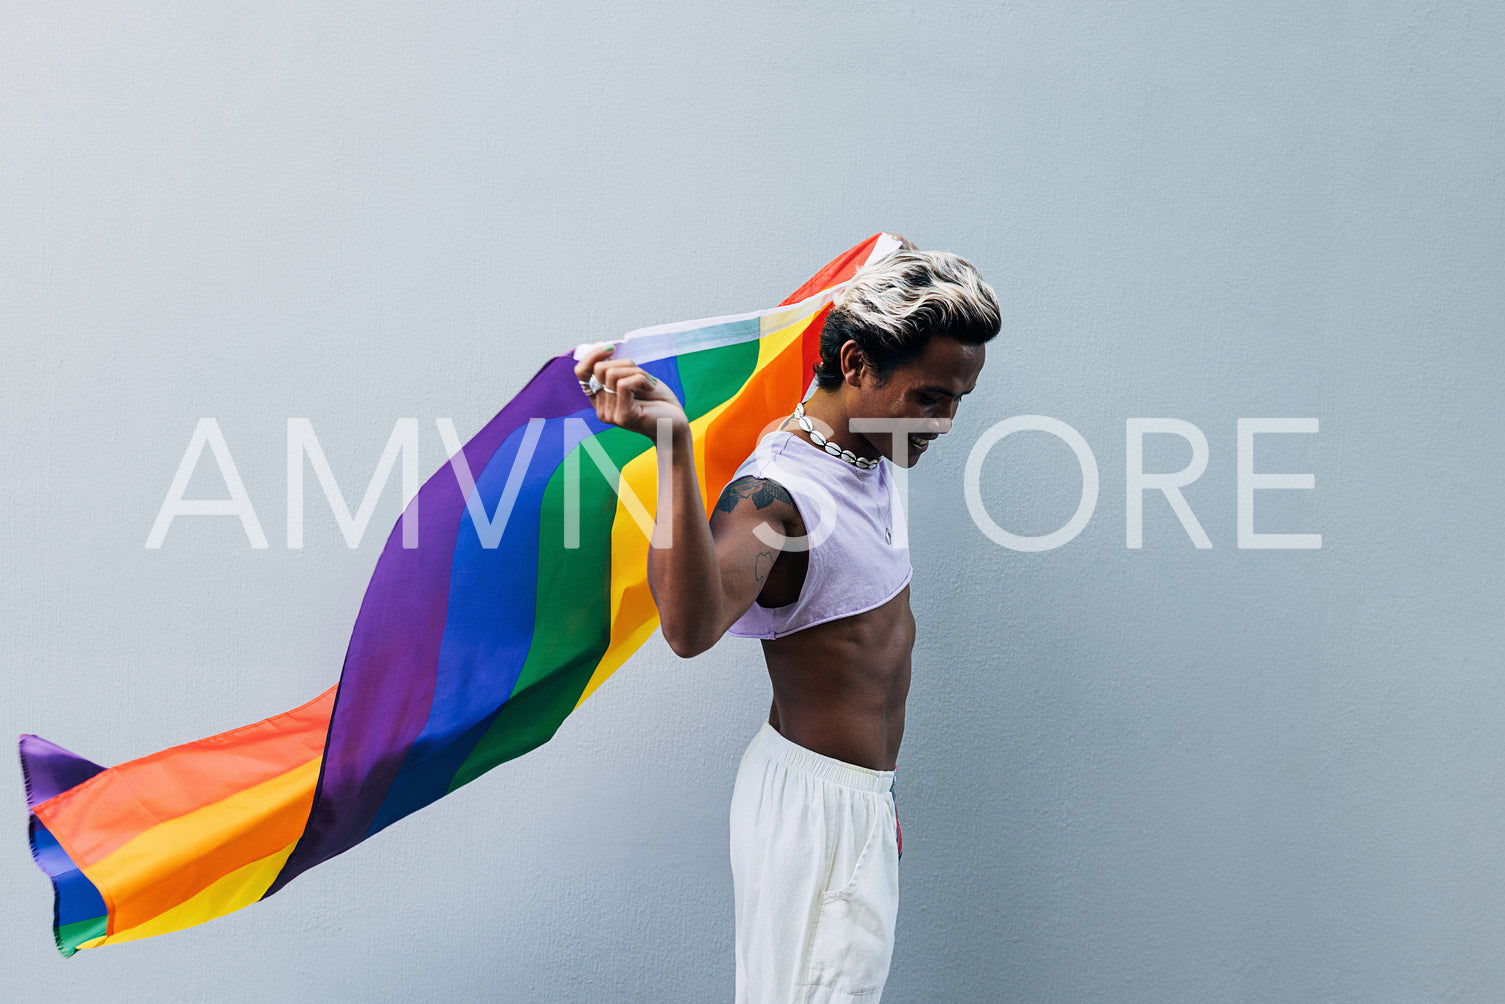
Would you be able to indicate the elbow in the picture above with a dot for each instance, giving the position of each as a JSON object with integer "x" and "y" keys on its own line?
{"x": 687, "y": 644}
{"x": 690, "y": 629}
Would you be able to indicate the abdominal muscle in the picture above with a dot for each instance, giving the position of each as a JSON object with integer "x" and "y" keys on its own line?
{"x": 839, "y": 687}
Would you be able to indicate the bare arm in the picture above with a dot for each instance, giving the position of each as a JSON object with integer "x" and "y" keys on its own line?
{"x": 703, "y": 576}
{"x": 701, "y": 589}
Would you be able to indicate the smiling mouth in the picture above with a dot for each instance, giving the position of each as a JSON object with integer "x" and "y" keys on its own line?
{"x": 917, "y": 444}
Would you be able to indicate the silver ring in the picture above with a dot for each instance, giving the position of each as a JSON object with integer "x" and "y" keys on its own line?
{"x": 586, "y": 388}
{"x": 595, "y": 387}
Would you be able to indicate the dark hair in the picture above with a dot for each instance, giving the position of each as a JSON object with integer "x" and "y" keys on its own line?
{"x": 893, "y": 307}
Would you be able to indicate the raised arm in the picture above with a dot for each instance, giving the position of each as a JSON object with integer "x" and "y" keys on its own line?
{"x": 703, "y": 574}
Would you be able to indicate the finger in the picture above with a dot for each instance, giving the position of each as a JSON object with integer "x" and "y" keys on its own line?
{"x": 587, "y": 363}
{"x": 619, "y": 406}
{"x": 637, "y": 386}
{"x": 584, "y": 365}
{"x": 609, "y": 371}
{"x": 602, "y": 365}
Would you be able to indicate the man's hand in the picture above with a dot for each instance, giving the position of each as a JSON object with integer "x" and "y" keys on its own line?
{"x": 628, "y": 395}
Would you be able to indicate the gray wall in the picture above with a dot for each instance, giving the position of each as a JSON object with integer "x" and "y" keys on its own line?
{"x": 1155, "y": 774}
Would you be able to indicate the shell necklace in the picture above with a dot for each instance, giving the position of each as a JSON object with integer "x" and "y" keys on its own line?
{"x": 862, "y": 463}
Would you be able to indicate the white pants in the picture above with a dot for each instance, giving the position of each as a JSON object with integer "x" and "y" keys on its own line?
{"x": 815, "y": 872}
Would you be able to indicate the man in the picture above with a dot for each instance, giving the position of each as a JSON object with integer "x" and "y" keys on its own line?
{"x": 802, "y": 553}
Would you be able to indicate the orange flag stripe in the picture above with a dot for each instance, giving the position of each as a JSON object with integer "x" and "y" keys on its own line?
{"x": 174, "y": 861}
{"x": 94, "y": 820}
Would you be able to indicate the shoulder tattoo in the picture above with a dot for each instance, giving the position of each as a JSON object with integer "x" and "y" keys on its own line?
{"x": 762, "y": 492}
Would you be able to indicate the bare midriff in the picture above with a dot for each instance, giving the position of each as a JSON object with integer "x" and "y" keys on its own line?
{"x": 839, "y": 688}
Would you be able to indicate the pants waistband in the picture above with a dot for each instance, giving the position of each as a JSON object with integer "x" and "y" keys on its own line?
{"x": 771, "y": 744}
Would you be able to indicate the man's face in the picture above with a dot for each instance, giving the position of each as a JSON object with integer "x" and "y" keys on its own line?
{"x": 929, "y": 388}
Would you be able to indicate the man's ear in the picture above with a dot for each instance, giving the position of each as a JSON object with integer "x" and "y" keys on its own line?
{"x": 853, "y": 363}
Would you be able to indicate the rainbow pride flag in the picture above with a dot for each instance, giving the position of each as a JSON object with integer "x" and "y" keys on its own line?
{"x": 468, "y": 650}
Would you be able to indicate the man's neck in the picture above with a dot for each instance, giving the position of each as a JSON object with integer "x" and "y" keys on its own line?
{"x": 827, "y": 411}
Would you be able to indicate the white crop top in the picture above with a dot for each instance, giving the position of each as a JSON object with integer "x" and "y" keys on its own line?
{"x": 857, "y": 559}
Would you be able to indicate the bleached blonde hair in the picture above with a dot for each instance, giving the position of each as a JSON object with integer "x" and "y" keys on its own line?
{"x": 893, "y": 307}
